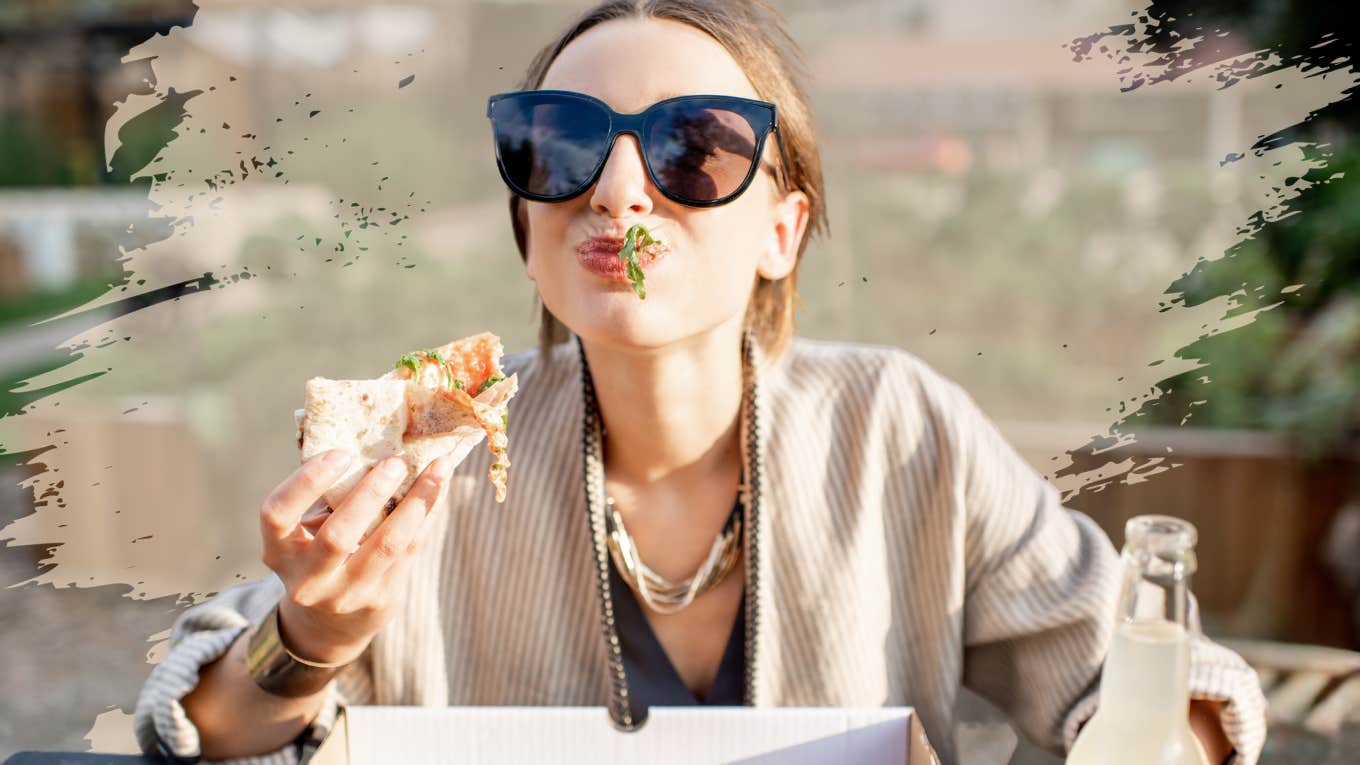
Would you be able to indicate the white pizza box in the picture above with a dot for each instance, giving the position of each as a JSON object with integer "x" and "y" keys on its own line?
{"x": 368, "y": 735}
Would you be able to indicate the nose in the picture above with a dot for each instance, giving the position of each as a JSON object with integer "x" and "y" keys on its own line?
{"x": 623, "y": 188}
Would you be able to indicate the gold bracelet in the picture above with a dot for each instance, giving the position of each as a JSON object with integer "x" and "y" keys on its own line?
{"x": 277, "y": 670}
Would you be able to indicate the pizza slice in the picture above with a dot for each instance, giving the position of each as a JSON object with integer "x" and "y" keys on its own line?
{"x": 434, "y": 402}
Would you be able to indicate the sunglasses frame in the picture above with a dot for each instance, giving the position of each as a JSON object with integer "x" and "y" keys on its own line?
{"x": 635, "y": 124}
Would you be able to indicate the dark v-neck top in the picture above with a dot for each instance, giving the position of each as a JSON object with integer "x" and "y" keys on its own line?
{"x": 652, "y": 678}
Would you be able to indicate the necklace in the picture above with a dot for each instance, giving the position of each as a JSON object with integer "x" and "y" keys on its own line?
{"x": 621, "y": 712}
{"x": 659, "y": 593}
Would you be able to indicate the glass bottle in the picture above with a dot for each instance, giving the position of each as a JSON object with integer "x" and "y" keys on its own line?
{"x": 1143, "y": 715}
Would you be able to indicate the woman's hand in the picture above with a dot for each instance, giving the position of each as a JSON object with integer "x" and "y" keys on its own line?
{"x": 339, "y": 592}
{"x": 1207, "y": 723}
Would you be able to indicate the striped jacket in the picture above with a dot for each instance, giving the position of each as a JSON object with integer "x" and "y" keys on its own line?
{"x": 901, "y": 549}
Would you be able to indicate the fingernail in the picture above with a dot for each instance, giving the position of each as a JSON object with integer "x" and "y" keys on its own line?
{"x": 335, "y": 459}
{"x": 394, "y": 468}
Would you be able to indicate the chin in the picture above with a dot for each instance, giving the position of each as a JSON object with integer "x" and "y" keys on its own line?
{"x": 612, "y": 315}
{"x": 621, "y": 320}
{"x": 634, "y": 332}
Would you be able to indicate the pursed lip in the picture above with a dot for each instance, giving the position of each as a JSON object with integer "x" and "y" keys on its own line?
{"x": 600, "y": 256}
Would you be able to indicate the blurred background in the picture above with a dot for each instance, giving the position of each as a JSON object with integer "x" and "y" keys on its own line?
{"x": 1132, "y": 233}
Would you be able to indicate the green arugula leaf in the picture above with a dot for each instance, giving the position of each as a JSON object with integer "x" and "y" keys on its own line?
{"x": 636, "y": 238}
{"x": 629, "y": 251}
{"x": 490, "y": 381}
{"x": 444, "y": 365}
{"x": 634, "y": 270}
{"x": 458, "y": 384}
{"x": 411, "y": 362}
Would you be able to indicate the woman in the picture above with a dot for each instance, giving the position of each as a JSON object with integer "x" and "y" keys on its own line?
{"x": 821, "y": 524}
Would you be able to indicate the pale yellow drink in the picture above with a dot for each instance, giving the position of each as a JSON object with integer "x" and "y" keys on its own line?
{"x": 1143, "y": 701}
{"x": 1143, "y": 717}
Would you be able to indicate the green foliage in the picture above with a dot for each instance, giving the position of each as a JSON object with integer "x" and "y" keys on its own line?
{"x": 29, "y": 157}
{"x": 1296, "y": 367}
{"x": 17, "y": 311}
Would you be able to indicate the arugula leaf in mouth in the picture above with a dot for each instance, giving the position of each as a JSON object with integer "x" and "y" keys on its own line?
{"x": 636, "y": 239}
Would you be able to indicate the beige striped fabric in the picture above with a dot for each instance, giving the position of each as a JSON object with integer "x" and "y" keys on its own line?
{"x": 906, "y": 550}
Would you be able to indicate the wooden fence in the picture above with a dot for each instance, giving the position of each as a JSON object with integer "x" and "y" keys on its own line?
{"x": 1263, "y": 513}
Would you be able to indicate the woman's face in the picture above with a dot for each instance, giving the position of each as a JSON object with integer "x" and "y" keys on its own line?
{"x": 704, "y": 280}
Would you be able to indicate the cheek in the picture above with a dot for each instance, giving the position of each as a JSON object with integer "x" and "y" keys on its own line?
{"x": 719, "y": 279}
{"x": 733, "y": 244}
{"x": 544, "y": 231}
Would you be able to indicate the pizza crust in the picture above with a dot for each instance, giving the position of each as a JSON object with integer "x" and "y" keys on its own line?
{"x": 376, "y": 419}
{"x": 367, "y": 417}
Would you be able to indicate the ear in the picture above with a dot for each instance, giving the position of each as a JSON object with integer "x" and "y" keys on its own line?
{"x": 788, "y": 224}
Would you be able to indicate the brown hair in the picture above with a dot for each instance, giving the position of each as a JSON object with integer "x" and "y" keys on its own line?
{"x": 753, "y": 34}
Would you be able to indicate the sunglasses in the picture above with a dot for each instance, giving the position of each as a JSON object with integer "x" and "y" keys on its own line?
{"x": 701, "y": 151}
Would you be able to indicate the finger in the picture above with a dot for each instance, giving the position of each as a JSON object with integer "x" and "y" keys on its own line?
{"x": 340, "y": 534}
{"x": 315, "y": 515}
{"x": 398, "y": 537}
{"x": 283, "y": 508}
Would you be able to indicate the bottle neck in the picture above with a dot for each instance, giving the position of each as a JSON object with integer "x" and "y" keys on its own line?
{"x": 1156, "y": 586}
{"x": 1147, "y": 668}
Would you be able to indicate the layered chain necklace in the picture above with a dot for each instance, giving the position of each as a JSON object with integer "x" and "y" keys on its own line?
{"x": 657, "y": 592}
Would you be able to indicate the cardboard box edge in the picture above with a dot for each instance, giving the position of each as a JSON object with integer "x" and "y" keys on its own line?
{"x": 919, "y": 750}
{"x": 334, "y": 748}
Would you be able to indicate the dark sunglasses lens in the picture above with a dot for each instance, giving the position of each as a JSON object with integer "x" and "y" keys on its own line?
{"x": 549, "y": 147}
{"x": 700, "y": 153}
